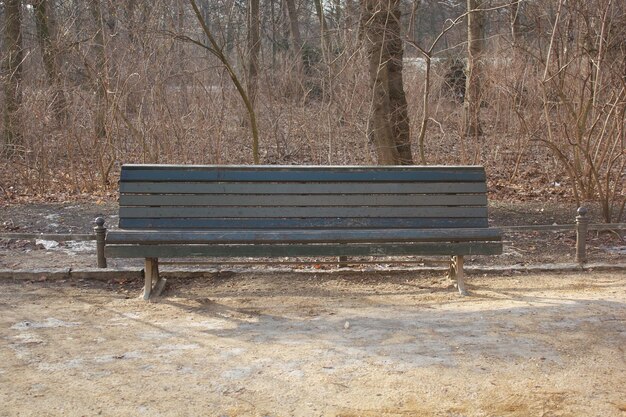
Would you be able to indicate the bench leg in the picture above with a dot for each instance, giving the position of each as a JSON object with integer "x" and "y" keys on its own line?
{"x": 456, "y": 272}
{"x": 151, "y": 275}
{"x": 154, "y": 284}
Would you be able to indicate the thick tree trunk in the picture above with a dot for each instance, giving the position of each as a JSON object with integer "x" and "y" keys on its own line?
{"x": 12, "y": 69}
{"x": 475, "y": 41}
{"x": 388, "y": 127}
{"x": 397, "y": 98}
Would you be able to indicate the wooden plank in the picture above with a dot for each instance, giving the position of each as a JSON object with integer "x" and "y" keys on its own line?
{"x": 281, "y": 211}
{"x": 300, "y": 236}
{"x": 302, "y": 188}
{"x": 313, "y": 250}
{"x": 309, "y": 223}
{"x": 192, "y": 167}
{"x": 297, "y": 174}
{"x": 303, "y": 200}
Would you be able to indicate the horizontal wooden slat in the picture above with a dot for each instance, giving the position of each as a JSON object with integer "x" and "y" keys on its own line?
{"x": 309, "y": 223}
{"x": 303, "y": 236}
{"x": 291, "y": 250}
{"x": 301, "y": 188}
{"x": 302, "y": 174}
{"x": 303, "y": 200}
{"x": 190, "y": 167}
{"x": 280, "y": 211}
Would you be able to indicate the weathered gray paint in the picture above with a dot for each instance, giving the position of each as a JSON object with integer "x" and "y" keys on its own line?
{"x": 300, "y": 236}
{"x": 313, "y": 250}
{"x": 302, "y": 174}
{"x": 307, "y": 223}
{"x": 280, "y": 211}
{"x": 303, "y": 200}
{"x": 177, "y": 187}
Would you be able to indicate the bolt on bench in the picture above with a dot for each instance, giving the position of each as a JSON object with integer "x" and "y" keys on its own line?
{"x": 179, "y": 211}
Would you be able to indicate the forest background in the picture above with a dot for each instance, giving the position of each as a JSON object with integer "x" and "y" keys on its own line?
{"x": 534, "y": 90}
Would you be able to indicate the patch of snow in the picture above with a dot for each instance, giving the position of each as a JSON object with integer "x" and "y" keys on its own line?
{"x": 237, "y": 373}
{"x": 215, "y": 324}
{"x": 50, "y": 322}
{"x": 47, "y": 244}
{"x": 154, "y": 335}
{"x": 27, "y": 339}
{"x": 60, "y": 366}
{"x": 79, "y": 246}
{"x": 228, "y": 353}
{"x": 616, "y": 250}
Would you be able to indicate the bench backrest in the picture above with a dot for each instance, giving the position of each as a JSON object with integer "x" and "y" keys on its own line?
{"x": 297, "y": 197}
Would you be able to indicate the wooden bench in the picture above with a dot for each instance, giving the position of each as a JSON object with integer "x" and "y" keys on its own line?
{"x": 177, "y": 211}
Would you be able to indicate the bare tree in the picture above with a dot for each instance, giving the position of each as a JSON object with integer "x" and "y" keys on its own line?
{"x": 584, "y": 100}
{"x": 216, "y": 51}
{"x": 12, "y": 69}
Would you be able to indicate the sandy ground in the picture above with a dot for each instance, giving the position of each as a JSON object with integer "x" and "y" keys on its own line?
{"x": 316, "y": 344}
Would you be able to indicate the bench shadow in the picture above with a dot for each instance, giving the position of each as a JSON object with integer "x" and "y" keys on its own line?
{"x": 427, "y": 332}
{"x": 377, "y": 329}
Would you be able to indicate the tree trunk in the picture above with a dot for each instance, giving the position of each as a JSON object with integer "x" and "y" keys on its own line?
{"x": 471, "y": 105}
{"x": 349, "y": 14}
{"x": 101, "y": 73}
{"x": 515, "y": 22}
{"x": 321, "y": 18}
{"x": 388, "y": 127}
{"x": 50, "y": 60}
{"x": 231, "y": 26}
{"x": 254, "y": 47}
{"x": 216, "y": 51}
{"x": 397, "y": 98}
{"x": 12, "y": 69}
{"x": 319, "y": 10}
{"x": 294, "y": 24}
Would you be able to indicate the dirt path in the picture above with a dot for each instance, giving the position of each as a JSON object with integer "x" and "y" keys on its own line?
{"x": 327, "y": 344}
